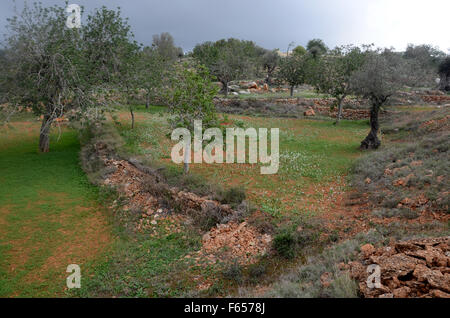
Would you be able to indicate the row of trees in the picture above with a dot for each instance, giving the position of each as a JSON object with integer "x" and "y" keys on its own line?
{"x": 234, "y": 59}
{"x": 373, "y": 74}
{"x": 54, "y": 69}
{"x": 346, "y": 70}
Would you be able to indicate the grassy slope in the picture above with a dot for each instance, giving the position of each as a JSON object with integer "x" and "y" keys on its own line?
{"x": 49, "y": 216}
{"x": 312, "y": 153}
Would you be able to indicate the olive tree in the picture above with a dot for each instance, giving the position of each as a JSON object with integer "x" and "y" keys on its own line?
{"x": 228, "y": 60}
{"x": 381, "y": 76}
{"x": 425, "y": 59}
{"x": 316, "y": 47}
{"x": 332, "y": 73}
{"x": 270, "y": 61}
{"x": 164, "y": 45}
{"x": 428, "y": 55}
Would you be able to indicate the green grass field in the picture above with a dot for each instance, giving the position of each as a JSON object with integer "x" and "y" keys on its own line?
{"x": 49, "y": 213}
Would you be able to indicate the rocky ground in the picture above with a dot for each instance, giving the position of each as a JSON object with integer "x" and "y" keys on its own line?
{"x": 230, "y": 240}
{"x": 415, "y": 268}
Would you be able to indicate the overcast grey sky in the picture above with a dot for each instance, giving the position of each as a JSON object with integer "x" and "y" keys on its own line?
{"x": 276, "y": 23}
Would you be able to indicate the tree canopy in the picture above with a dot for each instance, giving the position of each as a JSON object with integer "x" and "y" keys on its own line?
{"x": 54, "y": 69}
{"x": 316, "y": 47}
{"x": 332, "y": 73}
{"x": 229, "y": 60}
{"x": 294, "y": 70}
{"x": 164, "y": 45}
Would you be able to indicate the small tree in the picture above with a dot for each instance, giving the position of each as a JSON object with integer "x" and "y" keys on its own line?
{"x": 164, "y": 45}
{"x": 293, "y": 70}
{"x": 382, "y": 75}
{"x": 112, "y": 53}
{"x": 228, "y": 60}
{"x": 333, "y": 72}
{"x": 316, "y": 47}
{"x": 270, "y": 61}
{"x": 45, "y": 66}
{"x": 299, "y": 50}
{"x": 152, "y": 73}
{"x": 190, "y": 97}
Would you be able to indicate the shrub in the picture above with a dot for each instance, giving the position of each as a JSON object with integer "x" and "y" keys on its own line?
{"x": 344, "y": 287}
{"x": 284, "y": 244}
{"x": 256, "y": 271}
{"x": 233, "y": 272}
{"x": 390, "y": 213}
{"x": 234, "y": 195}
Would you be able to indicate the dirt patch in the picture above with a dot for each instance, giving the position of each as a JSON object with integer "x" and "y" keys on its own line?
{"x": 80, "y": 251}
{"x": 442, "y": 124}
{"x": 4, "y": 212}
{"x": 77, "y": 241}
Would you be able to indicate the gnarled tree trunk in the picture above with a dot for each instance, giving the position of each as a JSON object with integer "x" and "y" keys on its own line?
{"x": 339, "y": 113}
{"x": 444, "y": 84}
{"x": 132, "y": 116}
{"x": 372, "y": 141}
{"x": 44, "y": 134}
{"x": 225, "y": 88}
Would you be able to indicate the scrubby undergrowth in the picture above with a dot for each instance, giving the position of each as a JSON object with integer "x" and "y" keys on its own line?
{"x": 410, "y": 174}
{"x": 404, "y": 179}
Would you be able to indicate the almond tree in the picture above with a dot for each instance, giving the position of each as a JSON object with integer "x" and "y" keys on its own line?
{"x": 112, "y": 53}
{"x": 190, "y": 97}
{"x": 153, "y": 72}
{"x": 333, "y": 72}
{"x": 45, "y": 66}
{"x": 294, "y": 70}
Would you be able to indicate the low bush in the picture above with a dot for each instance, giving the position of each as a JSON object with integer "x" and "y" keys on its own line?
{"x": 233, "y": 196}
{"x": 233, "y": 272}
{"x": 285, "y": 245}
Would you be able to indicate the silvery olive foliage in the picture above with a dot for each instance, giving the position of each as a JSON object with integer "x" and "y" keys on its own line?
{"x": 382, "y": 75}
